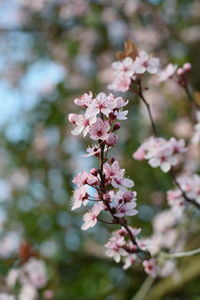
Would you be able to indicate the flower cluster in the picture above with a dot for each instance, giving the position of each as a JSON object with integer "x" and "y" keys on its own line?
{"x": 100, "y": 118}
{"x": 119, "y": 247}
{"x": 106, "y": 189}
{"x": 161, "y": 153}
{"x": 32, "y": 276}
{"x": 128, "y": 70}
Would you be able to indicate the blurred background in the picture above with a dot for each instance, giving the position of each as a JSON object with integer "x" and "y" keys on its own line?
{"x": 52, "y": 51}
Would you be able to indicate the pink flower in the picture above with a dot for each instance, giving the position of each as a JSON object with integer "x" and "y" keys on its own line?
{"x": 80, "y": 197}
{"x": 124, "y": 67}
{"x": 73, "y": 118}
{"x": 115, "y": 247}
{"x": 101, "y": 104}
{"x": 84, "y": 100}
{"x": 163, "y": 158}
{"x": 90, "y": 218}
{"x": 126, "y": 209}
{"x": 160, "y": 152}
{"x": 167, "y": 73}
{"x": 82, "y": 123}
{"x": 120, "y": 84}
{"x": 191, "y": 185}
{"x": 84, "y": 178}
{"x": 129, "y": 260}
{"x": 143, "y": 63}
{"x": 93, "y": 150}
{"x": 115, "y": 175}
{"x": 150, "y": 267}
{"x": 124, "y": 202}
{"x": 174, "y": 198}
{"x": 178, "y": 146}
{"x": 99, "y": 130}
{"x": 36, "y": 271}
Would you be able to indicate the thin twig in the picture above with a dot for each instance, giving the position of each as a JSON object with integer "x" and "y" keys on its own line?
{"x": 187, "y": 199}
{"x": 140, "y": 93}
{"x": 181, "y": 254}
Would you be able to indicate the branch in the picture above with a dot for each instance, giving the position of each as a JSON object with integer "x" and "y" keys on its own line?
{"x": 144, "y": 289}
{"x": 168, "y": 286}
{"x": 154, "y": 129}
{"x": 181, "y": 254}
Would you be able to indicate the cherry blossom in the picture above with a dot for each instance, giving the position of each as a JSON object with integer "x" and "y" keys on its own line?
{"x": 175, "y": 198}
{"x": 150, "y": 267}
{"x": 124, "y": 67}
{"x": 80, "y": 197}
{"x": 84, "y": 100}
{"x": 115, "y": 247}
{"x": 129, "y": 260}
{"x": 82, "y": 123}
{"x": 93, "y": 151}
{"x": 99, "y": 130}
{"x": 115, "y": 175}
{"x": 167, "y": 73}
{"x": 90, "y": 218}
{"x": 120, "y": 84}
{"x": 36, "y": 271}
{"x": 144, "y": 63}
{"x": 28, "y": 292}
{"x": 160, "y": 152}
{"x": 125, "y": 203}
{"x": 31, "y": 276}
{"x": 191, "y": 186}
{"x": 101, "y": 104}
{"x": 84, "y": 178}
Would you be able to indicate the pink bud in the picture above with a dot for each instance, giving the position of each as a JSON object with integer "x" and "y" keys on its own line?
{"x": 116, "y": 126}
{"x": 48, "y": 294}
{"x": 180, "y": 71}
{"x": 187, "y": 67}
{"x": 72, "y": 118}
{"x": 133, "y": 248}
{"x": 111, "y": 139}
{"x": 128, "y": 196}
{"x": 94, "y": 171}
{"x": 106, "y": 197}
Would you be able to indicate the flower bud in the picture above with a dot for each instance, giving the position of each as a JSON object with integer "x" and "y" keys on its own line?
{"x": 94, "y": 171}
{"x": 111, "y": 139}
{"x": 72, "y": 118}
{"x": 116, "y": 126}
{"x": 128, "y": 196}
{"x": 133, "y": 248}
{"x": 106, "y": 197}
{"x": 187, "y": 67}
{"x": 180, "y": 71}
